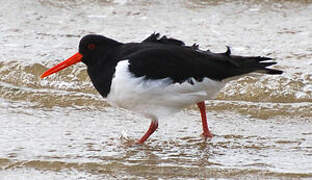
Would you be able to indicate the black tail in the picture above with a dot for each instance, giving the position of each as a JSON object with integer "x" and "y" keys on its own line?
{"x": 273, "y": 71}
{"x": 257, "y": 64}
{"x": 247, "y": 64}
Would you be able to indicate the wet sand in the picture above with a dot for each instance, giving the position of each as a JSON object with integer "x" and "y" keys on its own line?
{"x": 60, "y": 128}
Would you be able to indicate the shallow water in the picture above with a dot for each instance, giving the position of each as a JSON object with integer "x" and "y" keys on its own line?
{"x": 60, "y": 128}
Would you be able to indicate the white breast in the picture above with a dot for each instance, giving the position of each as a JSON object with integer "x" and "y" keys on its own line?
{"x": 157, "y": 98}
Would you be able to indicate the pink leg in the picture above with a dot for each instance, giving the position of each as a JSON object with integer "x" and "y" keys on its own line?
{"x": 150, "y": 131}
{"x": 202, "y": 108}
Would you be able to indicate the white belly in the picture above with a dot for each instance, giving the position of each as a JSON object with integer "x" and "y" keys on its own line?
{"x": 157, "y": 98}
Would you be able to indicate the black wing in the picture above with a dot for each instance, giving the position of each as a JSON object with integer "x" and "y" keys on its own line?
{"x": 155, "y": 38}
{"x": 183, "y": 62}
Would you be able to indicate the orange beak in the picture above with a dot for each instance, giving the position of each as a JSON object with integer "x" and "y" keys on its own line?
{"x": 68, "y": 62}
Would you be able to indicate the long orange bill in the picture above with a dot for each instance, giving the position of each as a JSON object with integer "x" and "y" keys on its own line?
{"x": 68, "y": 62}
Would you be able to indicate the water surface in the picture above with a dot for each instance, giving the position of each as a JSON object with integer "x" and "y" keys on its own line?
{"x": 60, "y": 127}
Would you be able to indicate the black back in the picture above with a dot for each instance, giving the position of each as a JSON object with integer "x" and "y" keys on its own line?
{"x": 157, "y": 58}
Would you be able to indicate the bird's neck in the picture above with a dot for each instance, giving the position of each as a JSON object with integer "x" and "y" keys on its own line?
{"x": 101, "y": 77}
{"x": 101, "y": 73}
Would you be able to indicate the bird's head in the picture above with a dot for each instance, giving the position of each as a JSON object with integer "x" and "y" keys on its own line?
{"x": 92, "y": 48}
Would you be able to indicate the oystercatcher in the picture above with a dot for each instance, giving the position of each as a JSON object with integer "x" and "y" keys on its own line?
{"x": 160, "y": 75}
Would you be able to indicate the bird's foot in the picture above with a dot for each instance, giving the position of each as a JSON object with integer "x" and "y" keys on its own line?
{"x": 207, "y": 135}
{"x": 131, "y": 142}
{"x": 138, "y": 142}
{"x": 150, "y": 131}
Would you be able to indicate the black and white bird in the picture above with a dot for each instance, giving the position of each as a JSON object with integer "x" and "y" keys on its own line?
{"x": 160, "y": 76}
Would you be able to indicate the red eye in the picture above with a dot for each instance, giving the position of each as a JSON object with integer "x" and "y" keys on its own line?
{"x": 91, "y": 46}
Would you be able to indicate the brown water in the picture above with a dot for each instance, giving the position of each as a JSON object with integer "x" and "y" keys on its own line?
{"x": 60, "y": 128}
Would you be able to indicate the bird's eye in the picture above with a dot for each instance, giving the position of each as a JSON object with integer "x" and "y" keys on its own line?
{"x": 91, "y": 46}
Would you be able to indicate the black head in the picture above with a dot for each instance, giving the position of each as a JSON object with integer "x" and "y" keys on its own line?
{"x": 94, "y": 47}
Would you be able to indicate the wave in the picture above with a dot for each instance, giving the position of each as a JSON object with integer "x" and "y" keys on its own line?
{"x": 139, "y": 169}
{"x": 259, "y": 96}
